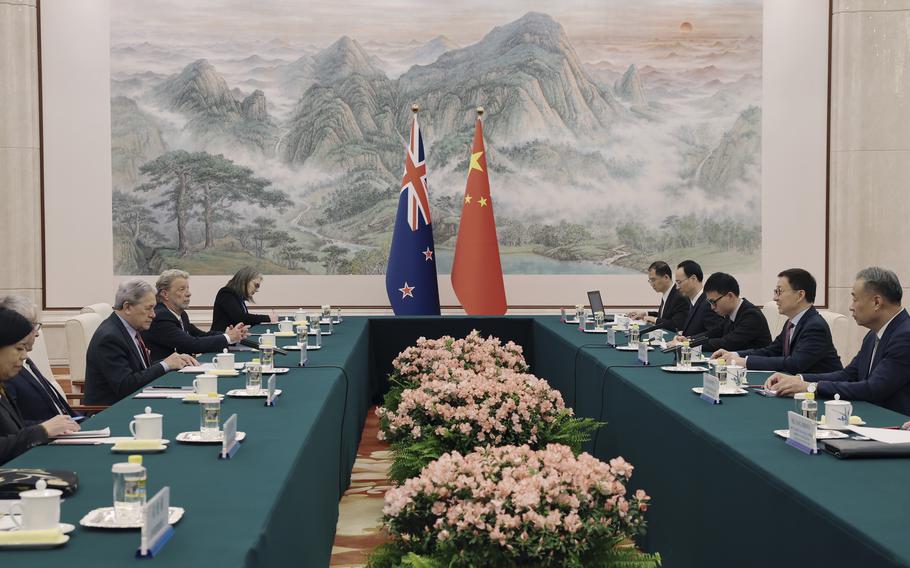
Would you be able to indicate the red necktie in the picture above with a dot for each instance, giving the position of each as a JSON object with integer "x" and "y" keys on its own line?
{"x": 145, "y": 350}
{"x": 787, "y": 338}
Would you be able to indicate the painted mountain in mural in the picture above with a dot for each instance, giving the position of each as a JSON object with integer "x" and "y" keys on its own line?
{"x": 656, "y": 135}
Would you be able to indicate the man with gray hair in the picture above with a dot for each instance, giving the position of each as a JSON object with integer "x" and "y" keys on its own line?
{"x": 37, "y": 398}
{"x": 117, "y": 362}
{"x": 880, "y": 372}
{"x": 171, "y": 330}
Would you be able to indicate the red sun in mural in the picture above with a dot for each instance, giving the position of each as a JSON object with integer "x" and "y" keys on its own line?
{"x": 685, "y": 27}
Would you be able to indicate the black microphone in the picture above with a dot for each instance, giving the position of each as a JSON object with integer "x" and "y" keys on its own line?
{"x": 255, "y": 345}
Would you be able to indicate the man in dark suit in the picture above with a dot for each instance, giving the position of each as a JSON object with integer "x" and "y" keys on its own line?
{"x": 701, "y": 319}
{"x": 17, "y": 437}
{"x": 745, "y": 326}
{"x": 805, "y": 344}
{"x": 118, "y": 362}
{"x": 880, "y": 372}
{"x": 34, "y": 395}
{"x": 674, "y": 307}
{"x": 171, "y": 330}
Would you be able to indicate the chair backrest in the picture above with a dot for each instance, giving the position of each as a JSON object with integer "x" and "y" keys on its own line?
{"x": 39, "y": 356}
{"x": 775, "y": 320}
{"x": 79, "y": 331}
{"x": 102, "y": 309}
{"x": 840, "y": 333}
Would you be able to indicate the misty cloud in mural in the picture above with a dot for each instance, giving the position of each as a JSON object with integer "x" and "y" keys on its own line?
{"x": 281, "y": 148}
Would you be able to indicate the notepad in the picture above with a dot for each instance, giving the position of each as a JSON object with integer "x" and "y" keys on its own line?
{"x": 106, "y": 433}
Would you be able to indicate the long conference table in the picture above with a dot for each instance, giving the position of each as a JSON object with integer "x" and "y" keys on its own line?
{"x": 725, "y": 490}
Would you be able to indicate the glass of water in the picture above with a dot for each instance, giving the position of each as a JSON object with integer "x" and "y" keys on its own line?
{"x": 633, "y": 336}
{"x": 302, "y": 331}
{"x": 254, "y": 377}
{"x": 598, "y": 320}
{"x": 721, "y": 373}
{"x": 685, "y": 355}
{"x": 210, "y": 418}
{"x": 268, "y": 357}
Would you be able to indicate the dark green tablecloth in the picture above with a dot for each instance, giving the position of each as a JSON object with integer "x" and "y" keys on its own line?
{"x": 726, "y": 491}
{"x": 274, "y": 504}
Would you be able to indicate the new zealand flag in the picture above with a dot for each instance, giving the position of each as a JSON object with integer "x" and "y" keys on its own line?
{"x": 410, "y": 279}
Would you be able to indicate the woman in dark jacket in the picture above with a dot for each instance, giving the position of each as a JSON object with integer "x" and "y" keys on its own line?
{"x": 15, "y": 436}
{"x": 230, "y": 302}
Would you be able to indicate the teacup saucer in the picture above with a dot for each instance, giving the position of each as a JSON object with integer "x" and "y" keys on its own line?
{"x": 103, "y": 518}
{"x": 7, "y": 525}
{"x": 196, "y": 397}
{"x": 196, "y": 438}
{"x": 58, "y": 540}
{"x": 242, "y": 393}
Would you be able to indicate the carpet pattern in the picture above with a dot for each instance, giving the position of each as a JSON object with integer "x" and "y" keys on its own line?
{"x": 359, "y": 528}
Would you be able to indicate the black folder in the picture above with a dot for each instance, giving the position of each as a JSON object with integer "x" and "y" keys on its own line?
{"x": 846, "y": 448}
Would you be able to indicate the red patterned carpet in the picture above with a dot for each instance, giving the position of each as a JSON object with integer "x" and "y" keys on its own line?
{"x": 360, "y": 510}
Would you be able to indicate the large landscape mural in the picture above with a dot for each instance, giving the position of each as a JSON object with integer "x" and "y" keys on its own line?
{"x": 272, "y": 133}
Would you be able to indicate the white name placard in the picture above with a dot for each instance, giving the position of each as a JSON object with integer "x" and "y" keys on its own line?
{"x": 270, "y": 399}
{"x": 710, "y": 388}
{"x": 802, "y": 433}
{"x": 230, "y": 436}
{"x": 611, "y": 338}
{"x": 156, "y": 531}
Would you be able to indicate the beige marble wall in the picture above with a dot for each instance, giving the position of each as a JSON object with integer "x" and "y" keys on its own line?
{"x": 870, "y": 144}
{"x": 20, "y": 216}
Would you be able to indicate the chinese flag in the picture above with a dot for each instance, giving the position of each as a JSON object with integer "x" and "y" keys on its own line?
{"x": 476, "y": 270}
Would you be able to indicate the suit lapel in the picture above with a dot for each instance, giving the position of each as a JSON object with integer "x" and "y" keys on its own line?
{"x": 138, "y": 364}
{"x": 693, "y": 310}
{"x": 7, "y": 404}
{"x": 886, "y": 337}
{"x": 803, "y": 321}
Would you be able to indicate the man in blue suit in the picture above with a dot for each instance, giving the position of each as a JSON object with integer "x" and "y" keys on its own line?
{"x": 171, "y": 330}
{"x": 34, "y": 395}
{"x": 805, "y": 344}
{"x": 117, "y": 362}
{"x": 880, "y": 372}
{"x": 701, "y": 319}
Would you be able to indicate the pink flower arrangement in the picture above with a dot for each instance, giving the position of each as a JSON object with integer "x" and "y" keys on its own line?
{"x": 433, "y": 359}
{"x": 513, "y": 505}
{"x": 471, "y": 409}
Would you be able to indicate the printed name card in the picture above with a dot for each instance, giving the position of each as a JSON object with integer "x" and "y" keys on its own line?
{"x": 643, "y": 353}
{"x": 270, "y": 399}
{"x": 710, "y": 388}
{"x": 156, "y": 530}
{"x": 230, "y": 446}
{"x": 802, "y": 433}
{"x": 611, "y": 337}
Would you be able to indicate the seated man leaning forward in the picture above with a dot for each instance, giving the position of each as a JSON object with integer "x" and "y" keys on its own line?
{"x": 171, "y": 330}
{"x": 117, "y": 361}
{"x": 880, "y": 372}
{"x": 744, "y": 327}
{"x": 805, "y": 344}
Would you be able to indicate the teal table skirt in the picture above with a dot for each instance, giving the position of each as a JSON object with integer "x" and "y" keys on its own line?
{"x": 726, "y": 491}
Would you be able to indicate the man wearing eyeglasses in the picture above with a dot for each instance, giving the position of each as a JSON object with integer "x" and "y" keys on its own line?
{"x": 701, "y": 319}
{"x": 744, "y": 327}
{"x": 674, "y": 307}
{"x": 805, "y": 344}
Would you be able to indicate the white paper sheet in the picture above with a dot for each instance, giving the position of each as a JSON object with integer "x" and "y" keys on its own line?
{"x": 885, "y": 435}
